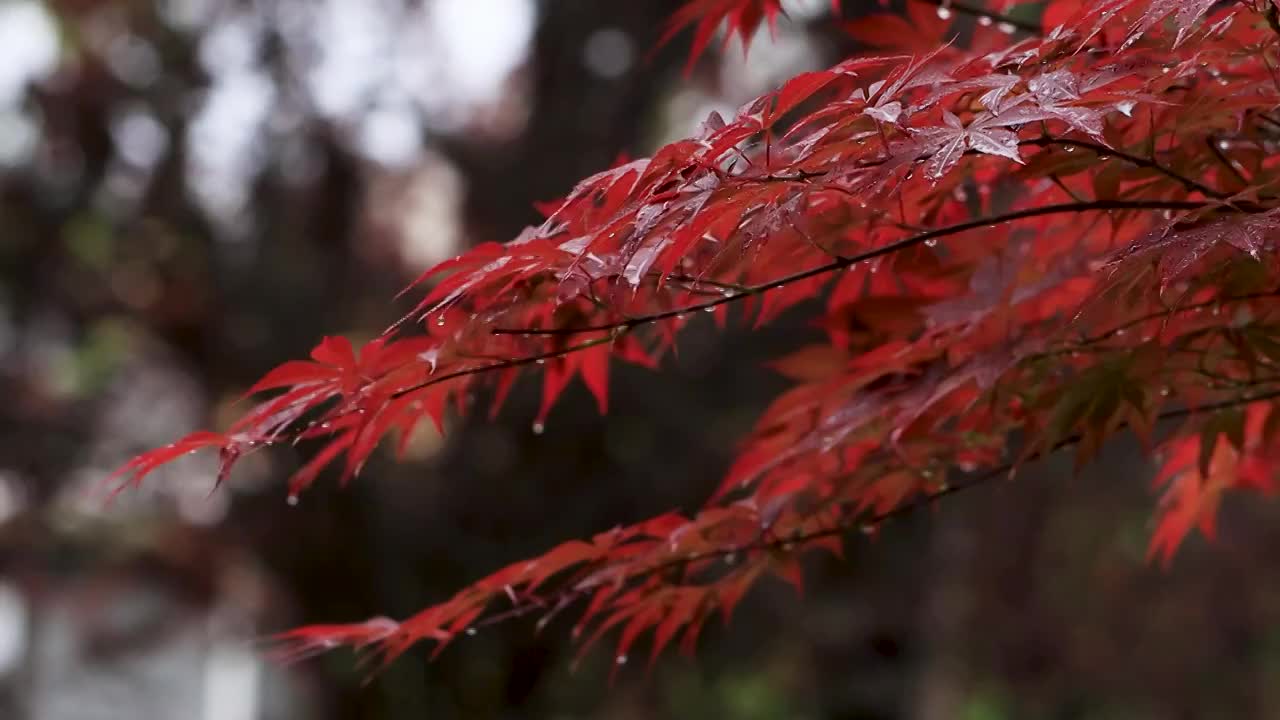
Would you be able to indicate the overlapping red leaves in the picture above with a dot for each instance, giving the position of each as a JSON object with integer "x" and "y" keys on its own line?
{"x": 1062, "y": 234}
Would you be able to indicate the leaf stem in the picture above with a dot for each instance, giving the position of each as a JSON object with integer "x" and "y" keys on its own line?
{"x": 1214, "y": 148}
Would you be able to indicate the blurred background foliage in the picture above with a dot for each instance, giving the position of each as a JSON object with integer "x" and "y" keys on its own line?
{"x": 192, "y": 191}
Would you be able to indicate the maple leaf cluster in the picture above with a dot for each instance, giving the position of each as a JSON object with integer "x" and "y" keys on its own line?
{"x": 1057, "y": 231}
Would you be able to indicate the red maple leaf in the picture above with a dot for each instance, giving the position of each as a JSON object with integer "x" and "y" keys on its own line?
{"x": 741, "y": 18}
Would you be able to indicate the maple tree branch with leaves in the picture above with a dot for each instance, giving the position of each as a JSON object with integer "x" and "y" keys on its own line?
{"x": 1058, "y": 238}
{"x": 841, "y": 263}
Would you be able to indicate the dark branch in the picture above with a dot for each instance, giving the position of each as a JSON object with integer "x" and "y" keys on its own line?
{"x": 844, "y": 262}
{"x": 845, "y": 525}
{"x": 1102, "y": 150}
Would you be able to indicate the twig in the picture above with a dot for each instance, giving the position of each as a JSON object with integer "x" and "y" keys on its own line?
{"x": 1229, "y": 164}
{"x": 844, "y": 262}
{"x": 847, "y": 524}
{"x": 1151, "y": 164}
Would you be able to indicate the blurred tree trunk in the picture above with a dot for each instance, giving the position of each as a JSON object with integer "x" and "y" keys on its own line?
{"x": 945, "y": 616}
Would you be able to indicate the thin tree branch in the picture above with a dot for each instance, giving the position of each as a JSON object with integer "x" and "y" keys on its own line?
{"x": 1084, "y": 343}
{"x": 841, "y": 263}
{"x": 1190, "y": 183}
{"x": 1230, "y": 165}
{"x": 845, "y": 525}
{"x": 505, "y": 364}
